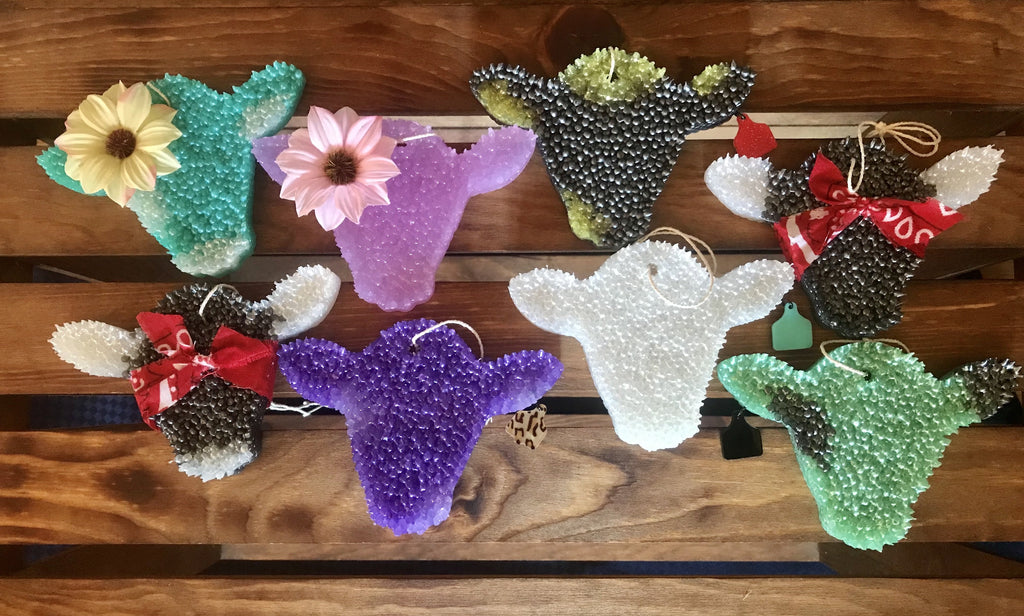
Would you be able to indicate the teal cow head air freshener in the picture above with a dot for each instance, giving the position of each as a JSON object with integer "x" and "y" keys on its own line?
{"x": 609, "y": 129}
{"x": 869, "y": 426}
{"x": 181, "y": 161}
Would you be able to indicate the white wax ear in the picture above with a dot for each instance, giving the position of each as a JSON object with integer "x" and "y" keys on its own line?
{"x": 96, "y": 348}
{"x": 303, "y": 299}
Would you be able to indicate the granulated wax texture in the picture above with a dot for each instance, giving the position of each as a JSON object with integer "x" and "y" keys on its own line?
{"x": 414, "y": 412}
{"x": 610, "y": 128}
{"x": 867, "y": 445}
{"x": 856, "y": 284}
{"x": 651, "y": 361}
{"x": 214, "y": 428}
{"x": 202, "y": 212}
{"x": 395, "y": 249}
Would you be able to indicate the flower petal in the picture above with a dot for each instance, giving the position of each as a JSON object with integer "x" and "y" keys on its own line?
{"x": 73, "y": 166}
{"x": 160, "y": 113}
{"x": 165, "y": 161}
{"x": 96, "y": 172}
{"x": 364, "y": 135}
{"x": 294, "y": 184}
{"x": 113, "y": 92}
{"x": 329, "y": 216}
{"x": 376, "y": 169}
{"x": 350, "y": 202}
{"x": 345, "y": 117}
{"x": 75, "y": 123}
{"x": 384, "y": 148}
{"x": 133, "y": 106}
{"x": 99, "y": 113}
{"x": 118, "y": 191}
{"x": 156, "y": 136}
{"x": 77, "y": 143}
{"x": 376, "y": 193}
{"x": 324, "y": 131}
{"x": 311, "y": 197}
{"x": 139, "y": 171}
{"x": 294, "y": 161}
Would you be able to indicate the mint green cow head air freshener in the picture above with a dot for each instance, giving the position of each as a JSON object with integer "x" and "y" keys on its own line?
{"x": 869, "y": 425}
{"x": 181, "y": 159}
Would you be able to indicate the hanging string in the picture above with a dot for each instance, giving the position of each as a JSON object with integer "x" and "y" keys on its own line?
{"x": 451, "y": 322}
{"x": 305, "y": 409}
{"x": 216, "y": 288}
{"x": 904, "y": 133}
{"x": 405, "y": 140}
{"x": 840, "y": 364}
{"x": 611, "y": 70}
{"x": 695, "y": 244}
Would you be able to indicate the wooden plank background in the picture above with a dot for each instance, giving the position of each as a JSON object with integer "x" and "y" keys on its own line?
{"x": 986, "y": 316}
{"x": 41, "y": 218}
{"x": 502, "y": 596}
{"x": 582, "y": 485}
{"x": 810, "y": 55}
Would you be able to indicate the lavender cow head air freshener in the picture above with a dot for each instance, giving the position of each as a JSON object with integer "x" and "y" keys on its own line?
{"x": 203, "y": 363}
{"x": 394, "y": 249}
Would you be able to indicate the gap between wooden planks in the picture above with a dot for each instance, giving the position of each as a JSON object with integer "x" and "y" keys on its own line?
{"x": 946, "y": 323}
{"x": 582, "y": 486}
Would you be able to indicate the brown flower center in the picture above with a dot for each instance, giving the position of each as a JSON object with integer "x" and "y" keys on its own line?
{"x": 340, "y": 168}
{"x": 121, "y": 143}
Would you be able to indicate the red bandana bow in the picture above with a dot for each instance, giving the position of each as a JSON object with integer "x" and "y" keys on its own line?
{"x": 238, "y": 359}
{"x": 910, "y": 224}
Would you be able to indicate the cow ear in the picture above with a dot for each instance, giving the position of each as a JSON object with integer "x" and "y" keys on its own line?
{"x": 751, "y": 378}
{"x": 542, "y": 296}
{"x": 741, "y": 184}
{"x": 509, "y": 94}
{"x": 964, "y": 175}
{"x": 752, "y": 290}
{"x": 268, "y": 99}
{"x": 303, "y": 299}
{"x": 96, "y": 348}
{"x": 497, "y": 158}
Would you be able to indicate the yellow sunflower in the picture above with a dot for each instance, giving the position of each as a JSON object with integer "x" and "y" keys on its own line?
{"x": 118, "y": 142}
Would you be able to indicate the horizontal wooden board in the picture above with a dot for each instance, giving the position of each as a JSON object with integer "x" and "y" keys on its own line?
{"x": 945, "y": 323}
{"x": 809, "y": 55}
{"x": 502, "y": 596}
{"x": 41, "y": 218}
{"x": 582, "y": 485}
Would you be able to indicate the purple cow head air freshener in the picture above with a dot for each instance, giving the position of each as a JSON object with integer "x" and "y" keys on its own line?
{"x": 415, "y": 410}
{"x": 395, "y": 249}
{"x": 854, "y": 250}
{"x": 203, "y": 363}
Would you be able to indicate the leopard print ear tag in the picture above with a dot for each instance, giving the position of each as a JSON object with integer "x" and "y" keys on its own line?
{"x": 527, "y": 427}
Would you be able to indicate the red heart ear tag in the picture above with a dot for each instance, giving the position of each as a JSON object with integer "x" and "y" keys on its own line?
{"x": 753, "y": 139}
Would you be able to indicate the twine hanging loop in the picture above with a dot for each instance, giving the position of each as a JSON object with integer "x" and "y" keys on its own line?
{"x": 918, "y": 138}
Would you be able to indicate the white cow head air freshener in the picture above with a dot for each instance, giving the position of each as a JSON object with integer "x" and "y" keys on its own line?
{"x": 651, "y": 321}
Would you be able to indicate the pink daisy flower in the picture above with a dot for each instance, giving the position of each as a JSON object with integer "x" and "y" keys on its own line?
{"x": 338, "y": 166}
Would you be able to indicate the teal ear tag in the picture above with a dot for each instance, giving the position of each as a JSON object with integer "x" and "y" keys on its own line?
{"x": 792, "y": 331}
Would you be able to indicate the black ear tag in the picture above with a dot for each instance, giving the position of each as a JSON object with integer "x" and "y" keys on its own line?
{"x": 740, "y": 439}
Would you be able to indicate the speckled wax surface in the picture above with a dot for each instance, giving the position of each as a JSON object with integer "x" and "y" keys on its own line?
{"x": 202, "y": 212}
{"x": 866, "y": 446}
{"x": 609, "y": 133}
{"x": 856, "y": 286}
{"x": 395, "y": 249}
{"x": 214, "y": 429}
{"x": 414, "y": 414}
{"x": 651, "y": 361}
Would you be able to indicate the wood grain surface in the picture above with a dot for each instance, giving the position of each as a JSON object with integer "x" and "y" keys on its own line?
{"x": 502, "y": 596}
{"x": 41, "y": 218}
{"x": 582, "y": 485}
{"x": 809, "y": 55}
{"x": 945, "y": 323}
